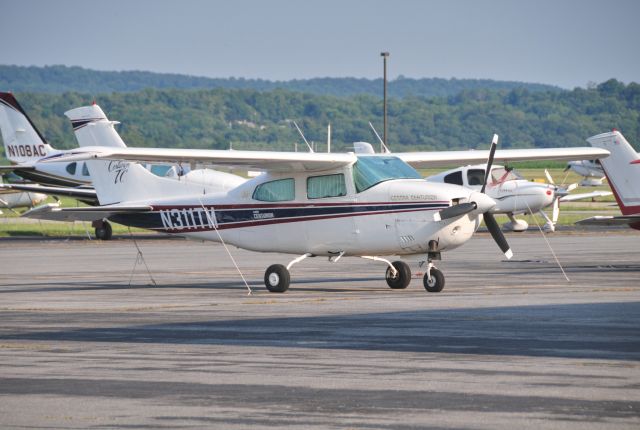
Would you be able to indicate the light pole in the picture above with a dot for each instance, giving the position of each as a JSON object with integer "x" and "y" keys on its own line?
{"x": 384, "y": 56}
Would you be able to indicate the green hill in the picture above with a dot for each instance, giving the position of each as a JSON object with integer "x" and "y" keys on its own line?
{"x": 60, "y": 79}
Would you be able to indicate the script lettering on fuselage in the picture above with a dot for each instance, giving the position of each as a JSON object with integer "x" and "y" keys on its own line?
{"x": 26, "y": 151}
{"x": 188, "y": 218}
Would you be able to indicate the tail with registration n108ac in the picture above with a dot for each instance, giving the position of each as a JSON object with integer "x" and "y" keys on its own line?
{"x": 23, "y": 143}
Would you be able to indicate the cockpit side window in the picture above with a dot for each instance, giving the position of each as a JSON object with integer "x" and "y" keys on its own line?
{"x": 85, "y": 170}
{"x": 279, "y": 190}
{"x": 475, "y": 176}
{"x": 454, "y": 178}
{"x": 71, "y": 168}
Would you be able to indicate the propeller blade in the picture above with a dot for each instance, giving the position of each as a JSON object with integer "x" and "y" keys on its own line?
{"x": 572, "y": 187}
{"x": 567, "y": 168}
{"x": 497, "y": 235}
{"x": 549, "y": 178}
{"x": 455, "y": 211}
{"x": 492, "y": 152}
{"x": 556, "y": 210}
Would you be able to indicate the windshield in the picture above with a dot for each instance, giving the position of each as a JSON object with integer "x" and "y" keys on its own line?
{"x": 371, "y": 170}
{"x": 501, "y": 174}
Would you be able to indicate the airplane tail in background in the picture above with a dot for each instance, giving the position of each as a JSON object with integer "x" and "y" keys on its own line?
{"x": 623, "y": 177}
{"x": 119, "y": 181}
{"x": 23, "y": 143}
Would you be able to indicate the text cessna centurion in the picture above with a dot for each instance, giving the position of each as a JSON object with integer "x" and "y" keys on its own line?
{"x": 309, "y": 204}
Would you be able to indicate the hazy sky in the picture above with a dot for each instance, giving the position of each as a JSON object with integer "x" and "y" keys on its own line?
{"x": 566, "y": 43}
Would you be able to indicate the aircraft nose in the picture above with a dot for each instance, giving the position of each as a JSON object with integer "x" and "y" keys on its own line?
{"x": 483, "y": 202}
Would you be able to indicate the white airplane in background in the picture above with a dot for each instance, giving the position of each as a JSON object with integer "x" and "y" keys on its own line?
{"x": 514, "y": 194}
{"x": 590, "y": 170}
{"x": 622, "y": 169}
{"x": 17, "y": 199}
{"x": 310, "y": 204}
{"x": 25, "y": 145}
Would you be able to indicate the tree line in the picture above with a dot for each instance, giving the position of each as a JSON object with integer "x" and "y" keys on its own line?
{"x": 252, "y": 119}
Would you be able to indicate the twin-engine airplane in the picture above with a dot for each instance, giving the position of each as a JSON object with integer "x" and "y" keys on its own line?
{"x": 24, "y": 146}
{"x": 622, "y": 169}
{"x": 310, "y": 204}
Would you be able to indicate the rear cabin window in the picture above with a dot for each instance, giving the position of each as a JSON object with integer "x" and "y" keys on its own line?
{"x": 85, "y": 170}
{"x": 275, "y": 191}
{"x": 475, "y": 176}
{"x": 454, "y": 178}
{"x": 319, "y": 187}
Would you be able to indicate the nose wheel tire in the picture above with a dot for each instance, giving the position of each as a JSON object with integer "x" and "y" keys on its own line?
{"x": 436, "y": 283}
{"x": 402, "y": 278}
{"x": 277, "y": 278}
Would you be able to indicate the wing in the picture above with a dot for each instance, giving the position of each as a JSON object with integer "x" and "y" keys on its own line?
{"x": 54, "y": 212}
{"x": 85, "y": 194}
{"x": 11, "y": 168}
{"x": 458, "y": 158}
{"x": 582, "y": 196}
{"x": 255, "y": 160}
{"x": 610, "y": 220}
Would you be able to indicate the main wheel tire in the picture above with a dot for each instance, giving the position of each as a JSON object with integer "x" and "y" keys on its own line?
{"x": 104, "y": 232}
{"x": 402, "y": 278}
{"x": 277, "y": 278}
{"x": 437, "y": 281}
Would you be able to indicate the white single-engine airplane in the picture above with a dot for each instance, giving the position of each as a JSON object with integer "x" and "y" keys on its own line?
{"x": 310, "y": 204}
{"x": 10, "y": 199}
{"x": 590, "y": 170}
{"x": 514, "y": 194}
{"x": 622, "y": 169}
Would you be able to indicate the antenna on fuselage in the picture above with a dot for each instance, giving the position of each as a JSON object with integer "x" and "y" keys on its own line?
{"x": 303, "y": 138}
{"x": 386, "y": 150}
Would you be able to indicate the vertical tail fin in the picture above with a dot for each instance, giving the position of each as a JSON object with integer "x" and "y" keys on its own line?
{"x": 119, "y": 181}
{"x": 23, "y": 143}
{"x": 623, "y": 177}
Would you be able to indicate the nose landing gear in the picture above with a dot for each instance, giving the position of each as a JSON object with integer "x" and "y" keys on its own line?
{"x": 433, "y": 280}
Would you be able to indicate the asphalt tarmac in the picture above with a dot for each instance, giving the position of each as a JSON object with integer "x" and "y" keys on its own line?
{"x": 88, "y": 341}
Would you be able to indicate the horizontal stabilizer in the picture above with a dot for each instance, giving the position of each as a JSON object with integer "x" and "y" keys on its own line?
{"x": 582, "y": 196}
{"x": 54, "y": 212}
{"x": 86, "y": 194}
{"x": 610, "y": 220}
{"x": 11, "y": 168}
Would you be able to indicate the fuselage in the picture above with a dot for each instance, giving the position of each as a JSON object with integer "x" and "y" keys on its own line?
{"x": 349, "y": 211}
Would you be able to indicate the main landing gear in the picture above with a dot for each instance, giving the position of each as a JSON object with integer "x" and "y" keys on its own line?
{"x": 277, "y": 277}
{"x": 103, "y": 229}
